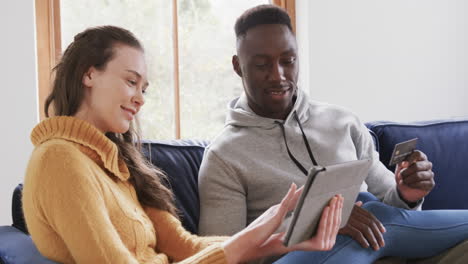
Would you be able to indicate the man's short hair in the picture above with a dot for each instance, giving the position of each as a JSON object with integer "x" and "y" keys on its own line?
{"x": 260, "y": 15}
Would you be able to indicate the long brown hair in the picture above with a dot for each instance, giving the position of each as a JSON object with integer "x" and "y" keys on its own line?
{"x": 95, "y": 47}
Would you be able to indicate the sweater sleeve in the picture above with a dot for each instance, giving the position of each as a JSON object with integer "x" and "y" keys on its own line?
{"x": 67, "y": 194}
{"x": 181, "y": 246}
{"x": 223, "y": 205}
{"x": 380, "y": 181}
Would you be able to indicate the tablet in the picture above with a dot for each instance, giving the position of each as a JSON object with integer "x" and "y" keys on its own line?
{"x": 322, "y": 184}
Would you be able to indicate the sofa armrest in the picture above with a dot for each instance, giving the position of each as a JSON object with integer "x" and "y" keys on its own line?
{"x": 18, "y": 248}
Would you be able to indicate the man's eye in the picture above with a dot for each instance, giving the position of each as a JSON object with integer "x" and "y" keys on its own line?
{"x": 289, "y": 61}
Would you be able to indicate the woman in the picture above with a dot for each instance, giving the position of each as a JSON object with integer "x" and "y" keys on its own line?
{"x": 89, "y": 195}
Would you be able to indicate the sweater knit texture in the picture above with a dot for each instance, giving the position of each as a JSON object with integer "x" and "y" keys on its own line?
{"x": 80, "y": 207}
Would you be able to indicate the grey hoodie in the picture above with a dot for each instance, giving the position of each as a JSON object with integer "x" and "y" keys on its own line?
{"x": 247, "y": 169}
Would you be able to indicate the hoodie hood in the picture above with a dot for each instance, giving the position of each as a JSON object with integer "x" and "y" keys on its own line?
{"x": 241, "y": 115}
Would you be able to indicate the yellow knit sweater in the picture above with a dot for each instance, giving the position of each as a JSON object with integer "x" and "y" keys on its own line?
{"x": 80, "y": 207}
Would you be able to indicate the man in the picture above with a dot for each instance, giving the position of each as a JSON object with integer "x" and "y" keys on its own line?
{"x": 274, "y": 134}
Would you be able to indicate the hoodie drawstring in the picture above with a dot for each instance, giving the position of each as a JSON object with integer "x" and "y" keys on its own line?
{"x": 311, "y": 155}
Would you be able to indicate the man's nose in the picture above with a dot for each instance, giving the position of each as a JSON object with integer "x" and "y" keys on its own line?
{"x": 276, "y": 73}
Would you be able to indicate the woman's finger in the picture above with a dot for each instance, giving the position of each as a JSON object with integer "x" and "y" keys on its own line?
{"x": 330, "y": 222}
{"x": 322, "y": 229}
{"x": 336, "y": 221}
{"x": 288, "y": 198}
{"x": 295, "y": 199}
{"x": 338, "y": 216}
{"x": 289, "y": 194}
{"x": 327, "y": 229}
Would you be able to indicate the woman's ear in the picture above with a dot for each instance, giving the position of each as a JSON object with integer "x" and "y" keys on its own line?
{"x": 88, "y": 79}
{"x": 236, "y": 65}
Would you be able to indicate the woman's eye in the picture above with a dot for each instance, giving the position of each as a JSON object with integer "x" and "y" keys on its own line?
{"x": 144, "y": 91}
{"x": 132, "y": 82}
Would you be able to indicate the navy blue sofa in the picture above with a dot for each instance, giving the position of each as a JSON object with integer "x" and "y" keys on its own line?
{"x": 444, "y": 141}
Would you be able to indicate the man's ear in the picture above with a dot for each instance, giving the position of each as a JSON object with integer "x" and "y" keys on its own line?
{"x": 236, "y": 66}
{"x": 88, "y": 77}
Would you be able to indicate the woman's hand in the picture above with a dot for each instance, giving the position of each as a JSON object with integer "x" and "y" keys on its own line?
{"x": 258, "y": 239}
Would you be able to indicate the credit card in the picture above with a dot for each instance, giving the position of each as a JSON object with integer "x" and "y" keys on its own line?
{"x": 402, "y": 151}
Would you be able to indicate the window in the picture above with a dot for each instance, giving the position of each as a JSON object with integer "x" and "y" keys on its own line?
{"x": 189, "y": 66}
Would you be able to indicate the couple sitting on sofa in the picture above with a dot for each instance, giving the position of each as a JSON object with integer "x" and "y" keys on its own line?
{"x": 87, "y": 173}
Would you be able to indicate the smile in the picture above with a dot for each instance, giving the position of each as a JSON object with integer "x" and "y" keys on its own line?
{"x": 129, "y": 112}
{"x": 277, "y": 94}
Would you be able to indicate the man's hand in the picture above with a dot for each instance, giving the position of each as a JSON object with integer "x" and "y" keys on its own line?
{"x": 414, "y": 177}
{"x": 365, "y": 228}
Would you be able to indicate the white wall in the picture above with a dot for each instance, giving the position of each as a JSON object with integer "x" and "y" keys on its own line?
{"x": 386, "y": 60}
{"x": 18, "y": 106}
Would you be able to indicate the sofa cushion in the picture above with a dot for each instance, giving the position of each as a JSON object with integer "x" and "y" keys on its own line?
{"x": 18, "y": 248}
{"x": 180, "y": 160}
{"x": 445, "y": 142}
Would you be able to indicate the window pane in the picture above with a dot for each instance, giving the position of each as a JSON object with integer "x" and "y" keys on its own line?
{"x": 151, "y": 22}
{"x": 206, "y": 45}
